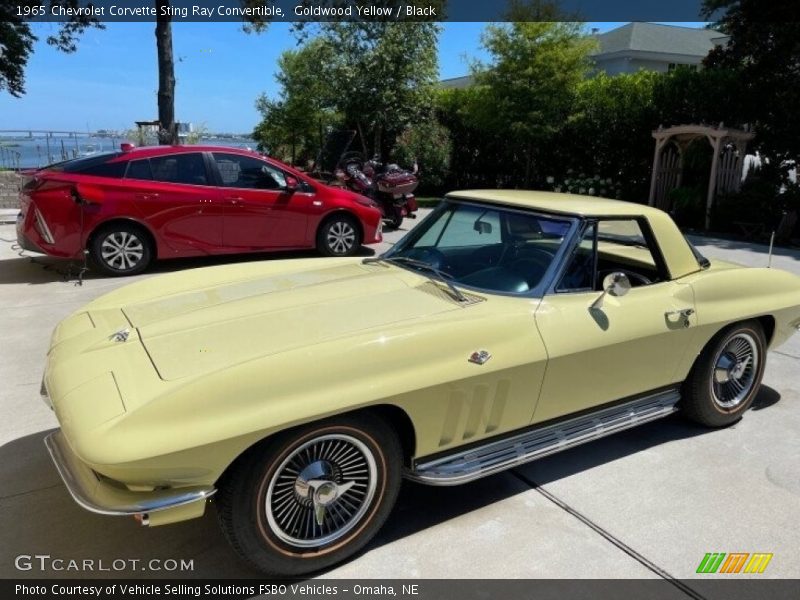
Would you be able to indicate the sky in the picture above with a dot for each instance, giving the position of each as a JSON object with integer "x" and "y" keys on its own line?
{"x": 111, "y": 81}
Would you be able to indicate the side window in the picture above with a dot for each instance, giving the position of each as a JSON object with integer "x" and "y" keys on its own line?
{"x": 139, "y": 169}
{"x": 187, "y": 168}
{"x": 625, "y": 231}
{"x": 610, "y": 246}
{"x": 248, "y": 172}
{"x": 114, "y": 170}
{"x": 580, "y": 273}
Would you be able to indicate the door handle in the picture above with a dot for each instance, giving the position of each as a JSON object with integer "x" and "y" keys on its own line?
{"x": 146, "y": 196}
{"x": 234, "y": 199}
{"x": 681, "y": 313}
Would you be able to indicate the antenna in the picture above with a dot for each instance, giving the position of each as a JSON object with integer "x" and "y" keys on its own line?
{"x": 771, "y": 243}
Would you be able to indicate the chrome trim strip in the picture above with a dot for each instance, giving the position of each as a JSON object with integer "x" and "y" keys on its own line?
{"x": 117, "y": 501}
{"x": 493, "y": 457}
{"x": 45, "y": 230}
{"x": 45, "y": 394}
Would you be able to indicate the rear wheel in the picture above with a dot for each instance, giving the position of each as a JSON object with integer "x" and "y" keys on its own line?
{"x": 121, "y": 249}
{"x": 395, "y": 220}
{"x": 312, "y": 497}
{"x": 726, "y": 376}
{"x": 339, "y": 236}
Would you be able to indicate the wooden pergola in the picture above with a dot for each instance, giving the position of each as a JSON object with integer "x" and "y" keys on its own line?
{"x": 729, "y": 148}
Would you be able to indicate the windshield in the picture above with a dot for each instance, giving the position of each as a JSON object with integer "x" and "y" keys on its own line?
{"x": 487, "y": 247}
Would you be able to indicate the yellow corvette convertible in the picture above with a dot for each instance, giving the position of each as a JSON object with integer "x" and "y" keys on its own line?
{"x": 297, "y": 394}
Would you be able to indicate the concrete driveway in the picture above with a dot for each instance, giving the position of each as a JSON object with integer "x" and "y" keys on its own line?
{"x": 646, "y": 503}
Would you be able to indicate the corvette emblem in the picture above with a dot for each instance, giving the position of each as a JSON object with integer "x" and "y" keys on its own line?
{"x": 121, "y": 335}
{"x": 479, "y": 357}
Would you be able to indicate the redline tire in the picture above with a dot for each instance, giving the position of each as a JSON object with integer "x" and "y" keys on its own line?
{"x": 726, "y": 376}
{"x": 279, "y": 533}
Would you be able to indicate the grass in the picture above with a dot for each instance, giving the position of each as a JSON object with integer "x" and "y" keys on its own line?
{"x": 428, "y": 201}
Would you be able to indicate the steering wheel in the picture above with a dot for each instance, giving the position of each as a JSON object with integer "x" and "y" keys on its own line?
{"x": 632, "y": 275}
{"x": 538, "y": 255}
{"x": 432, "y": 256}
{"x": 488, "y": 256}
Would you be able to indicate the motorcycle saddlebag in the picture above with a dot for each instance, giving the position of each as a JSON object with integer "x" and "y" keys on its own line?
{"x": 398, "y": 183}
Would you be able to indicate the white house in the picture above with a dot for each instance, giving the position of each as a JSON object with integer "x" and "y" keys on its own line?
{"x": 653, "y": 47}
{"x": 636, "y": 46}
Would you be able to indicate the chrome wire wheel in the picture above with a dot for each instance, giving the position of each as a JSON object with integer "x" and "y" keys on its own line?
{"x": 735, "y": 371}
{"x": 122, "y": 250}
{"x": 321, "y": 491}
{"x": 341, "y": 237}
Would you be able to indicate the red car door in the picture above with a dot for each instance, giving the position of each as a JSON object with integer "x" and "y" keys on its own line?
{"x": 260, "y": 212}
{"x": 175, "y": 195}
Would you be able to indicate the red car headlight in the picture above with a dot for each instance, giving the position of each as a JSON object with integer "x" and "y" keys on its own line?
{"x": 364, "y": 201}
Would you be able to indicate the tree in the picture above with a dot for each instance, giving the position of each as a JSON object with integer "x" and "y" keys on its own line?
{"x": 609, "y": 134}
{"x": 377, "y": 78}
{"x": 167, "y": 131}
{"x": 529, "y": 88}
{"x": 764, "y": 49}
{"x": 17, "y": 39}
{"x": 292, "y": 124}
{"x": 427, "y": 145}
{"x": 385, "y": 74}
{"x": 478, "y": 159}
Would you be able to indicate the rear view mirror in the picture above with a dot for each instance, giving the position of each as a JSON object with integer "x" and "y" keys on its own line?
{"x": 482, "y": 227}
{"x": 291, "y": 183}
{"x": 615, "y": 284}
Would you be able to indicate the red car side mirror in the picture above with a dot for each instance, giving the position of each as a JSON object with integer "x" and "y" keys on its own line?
{"x": 291, "y": 184}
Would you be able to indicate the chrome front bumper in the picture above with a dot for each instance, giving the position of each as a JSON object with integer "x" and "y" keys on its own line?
{"x": 98, "y": 496}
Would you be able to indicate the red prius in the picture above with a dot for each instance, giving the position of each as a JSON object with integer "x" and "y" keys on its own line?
{"x": 131, "y": 207}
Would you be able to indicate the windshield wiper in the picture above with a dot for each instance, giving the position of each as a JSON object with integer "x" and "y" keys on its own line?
{"x": 440, "y": 275}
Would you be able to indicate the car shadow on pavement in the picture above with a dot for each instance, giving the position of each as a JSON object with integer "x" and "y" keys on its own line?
{"x": 38, "y": 269}
{"x": 38, "y": 517}
{"x": 420, "y": 506}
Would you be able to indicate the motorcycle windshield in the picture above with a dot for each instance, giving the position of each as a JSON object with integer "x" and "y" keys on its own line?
{"x": 336, "y": 144}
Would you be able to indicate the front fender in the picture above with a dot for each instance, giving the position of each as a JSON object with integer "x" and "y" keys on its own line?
{"x": 421, "y": 367}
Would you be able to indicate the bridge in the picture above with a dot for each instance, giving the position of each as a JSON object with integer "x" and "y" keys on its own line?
{"x": 25, "y": 148}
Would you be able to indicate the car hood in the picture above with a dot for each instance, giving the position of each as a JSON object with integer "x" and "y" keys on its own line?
{"x": 199, "y": 331}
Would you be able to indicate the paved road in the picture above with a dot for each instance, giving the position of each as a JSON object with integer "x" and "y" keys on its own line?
{"x": 645, "y": 503}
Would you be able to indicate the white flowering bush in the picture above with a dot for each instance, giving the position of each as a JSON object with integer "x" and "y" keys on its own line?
{"x": 586, "y": 186}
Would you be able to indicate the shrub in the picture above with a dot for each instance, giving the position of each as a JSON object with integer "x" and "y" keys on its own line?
{"x": 429, "y": 145}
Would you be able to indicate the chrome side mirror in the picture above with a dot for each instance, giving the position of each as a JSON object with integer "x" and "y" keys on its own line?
{"x": 615, "y": 284}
